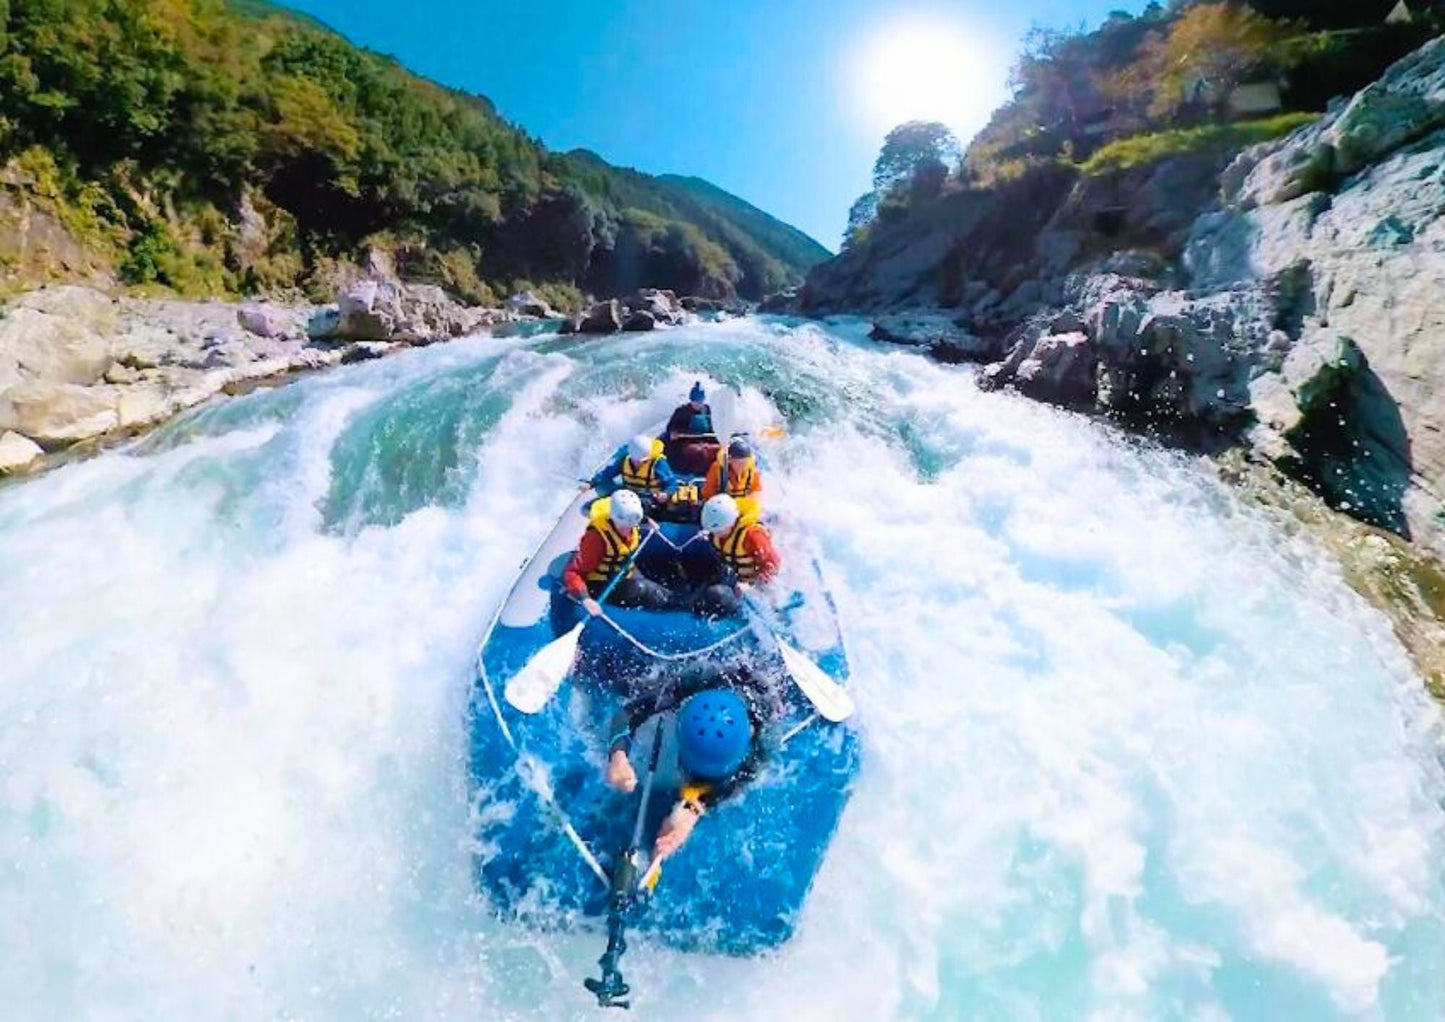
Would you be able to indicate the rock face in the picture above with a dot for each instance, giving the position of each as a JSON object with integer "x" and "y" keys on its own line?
{"x": 1354, "y": 204}
{"x": 1292, "y": 301}
{"x": 76, "y": 364}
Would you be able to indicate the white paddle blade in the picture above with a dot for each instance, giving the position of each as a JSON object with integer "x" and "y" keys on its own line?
{"x": 537, "y": 682}
{"x": 827, "y": 696}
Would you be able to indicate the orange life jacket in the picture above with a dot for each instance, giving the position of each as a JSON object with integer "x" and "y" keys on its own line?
{"x": 745, "y": 480}
{"x": 618, "y": 547}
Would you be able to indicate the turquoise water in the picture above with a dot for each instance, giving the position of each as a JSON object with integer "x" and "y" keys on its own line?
{"x": 1130, "y": 751}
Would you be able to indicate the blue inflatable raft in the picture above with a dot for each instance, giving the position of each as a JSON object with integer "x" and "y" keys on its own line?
{"x": 549, "y": 829}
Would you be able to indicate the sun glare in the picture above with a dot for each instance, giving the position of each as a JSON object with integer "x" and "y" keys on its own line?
{"x": 929, "y": 70}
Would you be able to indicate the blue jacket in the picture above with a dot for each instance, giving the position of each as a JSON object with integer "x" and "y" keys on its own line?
{"x": 609, "y": 477}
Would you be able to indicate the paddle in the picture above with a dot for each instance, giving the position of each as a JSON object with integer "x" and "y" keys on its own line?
{"x": 610, "y": 989}
{"x": 829, "y": 698}
{"x": 537, "y": 682}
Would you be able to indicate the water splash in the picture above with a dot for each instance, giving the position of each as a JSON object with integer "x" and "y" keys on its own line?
{"x": 1130, "y": 751}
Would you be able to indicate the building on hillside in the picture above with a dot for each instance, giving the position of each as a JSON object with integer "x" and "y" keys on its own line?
{"x": 1206, "y": 99}
{"x": 1413, "y": 12}
{"x": 1401, "y": 14}
{"x": 1256, "y": 99}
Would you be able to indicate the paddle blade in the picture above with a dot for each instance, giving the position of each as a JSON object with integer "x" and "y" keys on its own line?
{"x": 774, "y": 432}
{"x": 537, "y": 682}
{"x": 827, "y": 696}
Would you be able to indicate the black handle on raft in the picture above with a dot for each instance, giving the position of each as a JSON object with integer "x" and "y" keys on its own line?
{"x": 610, "y": 988}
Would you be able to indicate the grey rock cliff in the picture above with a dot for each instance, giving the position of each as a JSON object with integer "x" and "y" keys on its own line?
{"x": 1292, "y": 300}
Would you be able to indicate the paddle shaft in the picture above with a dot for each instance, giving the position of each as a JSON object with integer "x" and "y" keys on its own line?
{"x": 611, "y": 989}
{"x": 626, "y": 567}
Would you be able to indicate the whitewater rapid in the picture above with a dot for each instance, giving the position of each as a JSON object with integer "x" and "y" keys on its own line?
{"x": 1130, "y": 751}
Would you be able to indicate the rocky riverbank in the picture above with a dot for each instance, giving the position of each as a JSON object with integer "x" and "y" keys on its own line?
{"x": 80, "y": 367}
{"x": 1284, "y": 309}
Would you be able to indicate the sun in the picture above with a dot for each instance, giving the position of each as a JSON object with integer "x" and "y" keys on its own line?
{"x": 929, "y": 70}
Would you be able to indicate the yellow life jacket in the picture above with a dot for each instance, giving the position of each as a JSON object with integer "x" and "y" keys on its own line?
{"x": 619, "y": 547}
{"x": 687, "y": 493}
{"x": 642, "y": 477}
{"x": 744, "y": 486}
{"x": 731, "y": 547}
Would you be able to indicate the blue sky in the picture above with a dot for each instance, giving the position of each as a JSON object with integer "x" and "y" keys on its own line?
{"x": 783, "y": 102}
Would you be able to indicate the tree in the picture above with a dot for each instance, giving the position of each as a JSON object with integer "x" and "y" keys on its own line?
{"x": 859, "y": 217}
{"x": 909, "y": 145}
{"x": 912, "y": 166}
{"x": 1208, "y": 51}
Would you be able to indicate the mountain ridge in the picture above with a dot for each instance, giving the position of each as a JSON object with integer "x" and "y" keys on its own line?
{"x": 205, "y": 146}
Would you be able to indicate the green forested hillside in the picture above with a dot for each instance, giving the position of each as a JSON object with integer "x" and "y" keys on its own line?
{"x": 208, "y": 146}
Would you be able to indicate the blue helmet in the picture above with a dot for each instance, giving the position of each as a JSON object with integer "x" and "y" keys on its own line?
{"x": 697, "y": 393}
{"x": 713, "y": 734}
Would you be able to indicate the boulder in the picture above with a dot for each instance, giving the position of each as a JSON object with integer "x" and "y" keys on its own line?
{"x": 365, "y": 351}
{"x": 95, "y": 310}
{"x": 359, "y": 298}
{"x": 936, "y": 331}
{"x": 263, "y": 320}
{"x": 1060, "y": 369}
{"x": 781, "y": 303}
{"x": 36, "y": 345}
{"x": 525, "y": 303}
{"x": 57, "y": 414}
{"x": 639, "y": 322}
{"x": 602, "y": 318}
{"x": 17, "y": 453}
{"x": 570, "y": 325}
{"x": 661, "y": 305}
{"x": 324, "y": 323}
{"x": 143, "y": 404}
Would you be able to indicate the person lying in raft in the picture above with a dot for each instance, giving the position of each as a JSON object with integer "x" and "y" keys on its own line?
{"x": 741, "y": 466}
{"x": 744, "y": 552}
{"x": 640, "y": 466}
{"x": 613, "y": 535}
{"x": 720, "y": 715}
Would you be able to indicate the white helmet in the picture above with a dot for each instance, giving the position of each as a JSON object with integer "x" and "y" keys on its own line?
{"x": 626, "y": 510}
{"x": 639, "y": 448}
{"x": 719, "y": 514}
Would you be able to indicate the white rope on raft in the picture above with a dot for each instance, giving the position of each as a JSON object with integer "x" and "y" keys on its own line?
{"x": 656, "y": 653}
{"x": 674, "y": 657}
{"x": 536, "y": 783}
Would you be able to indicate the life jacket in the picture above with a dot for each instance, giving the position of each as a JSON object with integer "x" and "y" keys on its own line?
{"x": 744, "y": 486}
{"x": 642, "y": 478}
{"x": 731, "y": 547}
{"x": 700, "y": 423}
{"x": 618, "y": 547}
{"x": 687, "y": 493}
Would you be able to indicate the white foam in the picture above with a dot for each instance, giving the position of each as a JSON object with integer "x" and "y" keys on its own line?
{"x": 1129, "y": 751}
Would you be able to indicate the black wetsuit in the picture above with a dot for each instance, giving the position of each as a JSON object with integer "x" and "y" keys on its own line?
{"x": 762, "y": 694}
{"x": 682, "y": 424}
